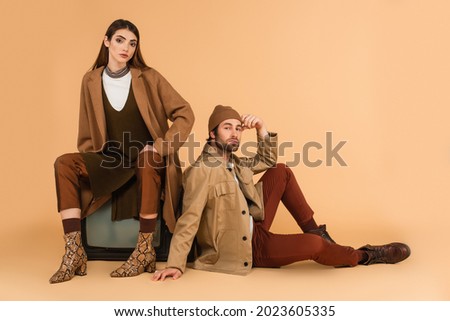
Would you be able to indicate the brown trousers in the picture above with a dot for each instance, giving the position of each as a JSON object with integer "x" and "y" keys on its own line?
{"x": 275, "y": 250}
{"x": 71, "y": 172}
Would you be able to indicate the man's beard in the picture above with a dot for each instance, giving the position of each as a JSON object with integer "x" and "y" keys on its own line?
{"x": 227, "y": 147}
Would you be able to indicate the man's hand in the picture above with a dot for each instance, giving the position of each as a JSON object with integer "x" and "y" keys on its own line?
{"x": 169, "y": 272}
{"x": 251, "y": 121}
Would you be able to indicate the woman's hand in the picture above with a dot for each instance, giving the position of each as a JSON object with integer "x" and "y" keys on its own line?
{"x": 149, "y": 148}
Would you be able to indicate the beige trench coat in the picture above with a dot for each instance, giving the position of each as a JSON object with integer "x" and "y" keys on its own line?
{"x": 158, "y": 102}
{"x": 216, "y": 210}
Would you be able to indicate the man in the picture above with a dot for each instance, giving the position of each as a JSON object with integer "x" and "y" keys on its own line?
{"x": 231, "y": 217}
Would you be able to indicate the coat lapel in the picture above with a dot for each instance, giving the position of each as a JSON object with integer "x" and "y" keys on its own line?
{"x": 139, "y": 90}
{"x": 95, "y": 90}
{"x": 140, "y": 94}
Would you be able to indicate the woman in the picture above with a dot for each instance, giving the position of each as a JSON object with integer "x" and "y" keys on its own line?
{"x": 127, "y": 151}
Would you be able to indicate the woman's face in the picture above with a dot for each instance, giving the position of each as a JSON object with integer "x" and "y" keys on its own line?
{"x": 122, "y": 46}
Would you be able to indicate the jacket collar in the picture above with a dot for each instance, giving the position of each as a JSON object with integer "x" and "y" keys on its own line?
{"x": 213, "y": 157}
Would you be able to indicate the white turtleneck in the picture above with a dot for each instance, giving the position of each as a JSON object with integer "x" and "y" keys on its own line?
{"x": 117, "y": 90}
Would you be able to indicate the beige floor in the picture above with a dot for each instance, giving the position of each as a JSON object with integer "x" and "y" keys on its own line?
{"x": 374, "y": 73}
{"x": 28, "y": 263}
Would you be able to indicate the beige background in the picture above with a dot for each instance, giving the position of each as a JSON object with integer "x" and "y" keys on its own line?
{"x": 374, "y": 73}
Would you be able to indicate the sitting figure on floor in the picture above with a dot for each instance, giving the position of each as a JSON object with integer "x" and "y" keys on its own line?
{"x": 231, "y": 217}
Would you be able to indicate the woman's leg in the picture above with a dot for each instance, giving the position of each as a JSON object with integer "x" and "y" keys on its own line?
{"x": 70, "y": 169}
{"x": 150, "y": 174}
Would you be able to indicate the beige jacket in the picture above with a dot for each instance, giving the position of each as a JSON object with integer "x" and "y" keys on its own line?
{"x": 216, "y": 210}
{"x": 158, "y": 103}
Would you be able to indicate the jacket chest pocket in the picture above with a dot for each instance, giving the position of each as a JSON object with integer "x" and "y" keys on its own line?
{"x": 225, "y": 195}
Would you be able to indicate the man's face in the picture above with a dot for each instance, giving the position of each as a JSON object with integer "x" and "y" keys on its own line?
{"x": 228, "y": 135}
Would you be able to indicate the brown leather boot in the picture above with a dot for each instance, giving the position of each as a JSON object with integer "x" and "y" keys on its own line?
{"x": 143, "y": 258}
{"x": 322, "y": 231}
{"x": 74, "y": 260}
{"x": 390, "y": 253}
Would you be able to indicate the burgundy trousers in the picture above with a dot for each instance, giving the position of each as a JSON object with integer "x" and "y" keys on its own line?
{"x": 70, "y": 172}
{"x": 275, "y": 250}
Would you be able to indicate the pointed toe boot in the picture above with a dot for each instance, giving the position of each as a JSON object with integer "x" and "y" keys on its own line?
{"x": 74, "y": 261}
{"x": 143, "y": 258}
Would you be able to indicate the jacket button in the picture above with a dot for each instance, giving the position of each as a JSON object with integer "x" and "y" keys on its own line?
{"x": 244, "y": 212}
{"x": 244, "y": 238}
{"x": 245, "y": 263}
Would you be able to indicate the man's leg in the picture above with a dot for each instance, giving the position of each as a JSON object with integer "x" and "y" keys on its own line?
{"x": 150, "y": 174}
{"x": 275, "y": 250}
{"x": 279, "y": 184}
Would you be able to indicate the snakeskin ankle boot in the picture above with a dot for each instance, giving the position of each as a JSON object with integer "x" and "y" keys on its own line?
{"x": 74, "y": 260}
{"x": 143, "y": 258}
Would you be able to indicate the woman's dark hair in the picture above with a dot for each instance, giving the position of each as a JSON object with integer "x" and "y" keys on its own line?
{"x": 136, "y": 61}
